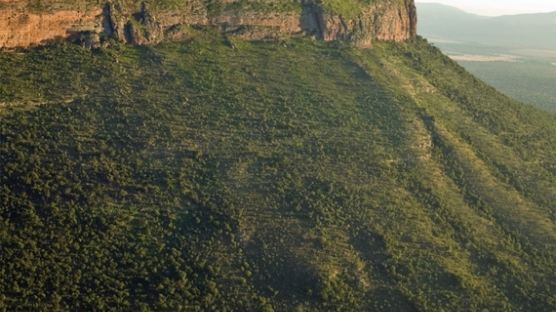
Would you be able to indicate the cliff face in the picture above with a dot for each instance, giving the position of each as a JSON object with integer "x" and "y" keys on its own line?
{"x": 23, "y": 25}
{"x": 380, "y": 20}
{"x": 21, "y": 28}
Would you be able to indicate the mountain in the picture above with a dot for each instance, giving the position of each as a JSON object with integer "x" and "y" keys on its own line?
{"x": 295, "y": 174}
{"x": 532, "y": 31}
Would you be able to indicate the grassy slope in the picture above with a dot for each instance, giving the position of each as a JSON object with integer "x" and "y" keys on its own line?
{"x": 286, "y": 176}
{"x": 530, "y": 81}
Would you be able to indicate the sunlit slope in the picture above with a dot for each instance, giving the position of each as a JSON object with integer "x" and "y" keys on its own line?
{"x": 292, "y": 176}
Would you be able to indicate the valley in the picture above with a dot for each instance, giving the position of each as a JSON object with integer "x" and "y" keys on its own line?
{"x": 495, "y": 50}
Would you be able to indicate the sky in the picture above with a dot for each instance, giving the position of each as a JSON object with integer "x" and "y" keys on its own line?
{"x": 500, "y": 7}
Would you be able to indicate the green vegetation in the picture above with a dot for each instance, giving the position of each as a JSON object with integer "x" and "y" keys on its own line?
{"x": 264, "y": 6}
{"x": 529, "y": 80}
{"x": 346, "y": 8}
{"x": 529, "y": 77}
{"x": 290, "y": 176}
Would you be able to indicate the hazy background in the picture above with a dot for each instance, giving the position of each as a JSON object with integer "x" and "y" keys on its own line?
{"x": 499, "y": 7}
{"x": 514, "y": 53}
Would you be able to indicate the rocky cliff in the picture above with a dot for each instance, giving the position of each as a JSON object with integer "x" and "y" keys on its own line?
{"x": 26, "y": 23}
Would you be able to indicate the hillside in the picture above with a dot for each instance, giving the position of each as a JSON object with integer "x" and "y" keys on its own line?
{"x": 221, "y": 174}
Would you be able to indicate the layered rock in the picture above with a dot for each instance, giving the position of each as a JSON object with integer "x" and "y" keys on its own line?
{"x": 22, "y": 29}
{"x": 379, "y": 21}
{"x": 22, "y": 25}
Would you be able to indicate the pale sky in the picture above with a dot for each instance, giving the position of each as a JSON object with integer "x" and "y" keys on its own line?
{"x": 500, "y": 7}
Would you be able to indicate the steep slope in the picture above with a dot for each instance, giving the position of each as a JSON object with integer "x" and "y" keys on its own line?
{"x": 229, "y": 175}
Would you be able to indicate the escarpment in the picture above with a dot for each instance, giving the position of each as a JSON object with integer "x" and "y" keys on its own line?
{"x": 23, "y": 23}
{"x": 381, "y": 20}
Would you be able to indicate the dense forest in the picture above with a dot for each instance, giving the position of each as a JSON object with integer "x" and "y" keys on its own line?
{"x": 223, "y": 175}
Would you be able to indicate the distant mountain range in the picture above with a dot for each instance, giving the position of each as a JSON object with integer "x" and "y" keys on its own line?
{"x": 441, "y": 22}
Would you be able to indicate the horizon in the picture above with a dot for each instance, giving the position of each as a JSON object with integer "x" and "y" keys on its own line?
{"x": 498, "y": 7}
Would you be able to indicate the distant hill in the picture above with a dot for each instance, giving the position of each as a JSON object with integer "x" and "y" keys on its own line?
{"x": 525, "y": 30}
{"x": 515, "y": 53}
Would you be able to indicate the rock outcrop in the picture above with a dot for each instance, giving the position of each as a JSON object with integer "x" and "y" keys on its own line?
{"x": 378, "y": 21}
{"x": 22, "y": 28}
{"x": 22, "y": 25}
